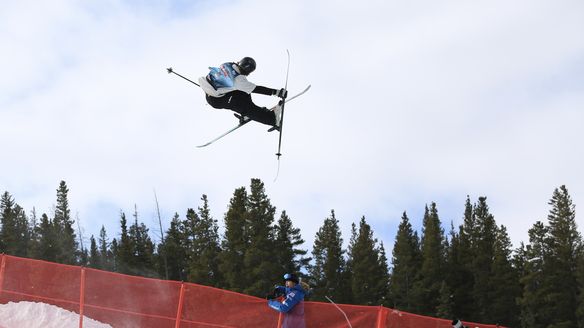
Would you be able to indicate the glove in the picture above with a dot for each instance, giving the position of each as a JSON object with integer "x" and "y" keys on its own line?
{"x": 271, "y": 296}
{"x": 274, "y": 294}
{"x": 282, "y": 93}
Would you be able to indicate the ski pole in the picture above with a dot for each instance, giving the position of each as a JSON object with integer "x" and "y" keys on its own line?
{"x": 171, "y": 71}
{"x": 343, "y": 312}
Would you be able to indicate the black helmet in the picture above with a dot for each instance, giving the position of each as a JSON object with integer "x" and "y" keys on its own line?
{"x": 291, "y": 277}
{"x": 247, "y": 65}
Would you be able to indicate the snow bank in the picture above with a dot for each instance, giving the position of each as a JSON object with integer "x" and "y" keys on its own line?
{"x": 41, "y": 315}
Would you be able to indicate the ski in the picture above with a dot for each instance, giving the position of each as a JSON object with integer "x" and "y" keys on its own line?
{"x": 278, "y": 154}
{"x": 244, "y": 120}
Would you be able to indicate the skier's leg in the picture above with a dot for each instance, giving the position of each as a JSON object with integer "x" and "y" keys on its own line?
{"x": 216, "y": 102}
{"x": 242, "y": 103}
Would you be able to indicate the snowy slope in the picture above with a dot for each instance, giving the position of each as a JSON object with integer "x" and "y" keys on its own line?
{"x": 41, "y": 315}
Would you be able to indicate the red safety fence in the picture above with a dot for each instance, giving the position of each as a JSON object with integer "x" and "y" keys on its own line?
{"x": 128, "y": 301}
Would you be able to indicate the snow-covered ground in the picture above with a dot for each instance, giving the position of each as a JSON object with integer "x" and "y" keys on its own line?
{"x": 41, "y": 315}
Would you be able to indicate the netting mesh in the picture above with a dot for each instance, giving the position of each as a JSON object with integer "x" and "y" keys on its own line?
{"x": 129, "y": 301}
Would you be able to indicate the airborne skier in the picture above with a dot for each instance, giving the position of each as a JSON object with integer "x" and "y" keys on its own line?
{"x": 227, "y": 87}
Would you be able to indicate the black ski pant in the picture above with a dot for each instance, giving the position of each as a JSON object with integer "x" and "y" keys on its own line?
{"x": 240, "y": 102}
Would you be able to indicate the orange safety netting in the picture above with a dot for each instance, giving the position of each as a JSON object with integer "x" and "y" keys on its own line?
{"x": 129, "y": 301}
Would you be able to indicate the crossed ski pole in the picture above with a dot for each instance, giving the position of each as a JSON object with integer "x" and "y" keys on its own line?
{"x": 173, "y": 72}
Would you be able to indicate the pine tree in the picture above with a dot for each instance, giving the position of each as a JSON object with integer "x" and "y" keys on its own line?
{"x": 329, "y": 269}
{"x": 8, "y": 233}
{"x": 94, "y": 257}
{"x": 33, "y": 233}
{"x": 384, "y": 277}
{"x": 142, "y": 260}
{"x": 367, "y": 284}
{"x": 15, "y": 234}
{"x": 564, "y": 242}
{"x": 175, "y": 250}
{"x": 580, "y": 277}
{"x": 106, "y": 257}
{"x": 426, "y": 291}
{"x": 460, "y": 257}
{"x": 445, "y": 308}
{"x": 535, "y": 311}
{"x": 47, "y": 240}
{"x": 482, "y": 264}
{"x": 116, "y": 263}
{"x": 124, "y": 248}
{"x": 260, "y": 258}
{"x": 503, "y": 283}
{"x": 235, "y": 242}
{"x": 205, "y": 250}
{"x": 290, "y": 257}
{"x": 406, "y": 260}
{"x": 63, "y": 227}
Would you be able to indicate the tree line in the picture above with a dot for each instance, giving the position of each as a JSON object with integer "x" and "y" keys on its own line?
{"x": 470, "y": 272}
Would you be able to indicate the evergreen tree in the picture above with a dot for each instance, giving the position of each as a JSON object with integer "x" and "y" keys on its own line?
{"x": 384, "y": 277}
{"x": 503, "y": 283}
{"x": 16, "y": 233}
{"x": 33, "y": 233}
{"x": 63, "y": 227}
{"x": 535, "y": 310}
{"x": 205, "y": 250}
{"x": 235, "y": 242}
{"x": 290, "y": 257}
{"x": 426, "y": 291}
{"x": 124, "y": 248}
{"x": 580, "y": 277}
{"x": 47, "y": 240}
{"x": 564, "y": 242}
{"x": 8, "y": 235}
{"x": 142, "y": 259}
{"x": 94, "y": 256}
{"x": 406, "y": 260}
{"x": 175, "y": 250}
{"x": 115, "y": 249}
{"x": 23, "y": 232}
{"x": 460, "y": 257}
{"x": 105, "y": 254}
{"x": 482, "y": 264}
{"x": 367, "y": 284}
{"x": 329, "y": 269}
{"x": 260, "y": 257}
{"x": 445, "y": 308}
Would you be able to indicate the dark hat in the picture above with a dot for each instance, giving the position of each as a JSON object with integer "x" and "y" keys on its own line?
{"x": 246, "y": 65}
{"x": 291, "y": 277}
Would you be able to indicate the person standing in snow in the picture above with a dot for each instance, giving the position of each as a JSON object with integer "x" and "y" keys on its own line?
{"x": 227, "y": 87}
{"x": 292, "y": 306}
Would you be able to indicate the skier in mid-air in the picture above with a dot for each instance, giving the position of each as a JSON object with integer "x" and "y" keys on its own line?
{"x": 227, "y": 87}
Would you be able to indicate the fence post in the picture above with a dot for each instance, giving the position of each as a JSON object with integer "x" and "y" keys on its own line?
{"x": 180, "y": 305}
{"x": 2, "y": 266}
{"x": 381, "y": 317}
{"x": 81, "y": 297}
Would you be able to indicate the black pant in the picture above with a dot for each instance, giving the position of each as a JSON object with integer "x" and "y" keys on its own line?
{"x": 240, "y": 102}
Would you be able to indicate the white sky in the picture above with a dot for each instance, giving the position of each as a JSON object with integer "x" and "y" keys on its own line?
{"x": 411, "y": 102}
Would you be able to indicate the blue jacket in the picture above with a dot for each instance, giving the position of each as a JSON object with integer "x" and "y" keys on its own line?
{"x": 292, "y": 306}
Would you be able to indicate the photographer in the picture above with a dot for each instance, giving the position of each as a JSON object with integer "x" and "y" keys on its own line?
{"x": 292, "y": 306}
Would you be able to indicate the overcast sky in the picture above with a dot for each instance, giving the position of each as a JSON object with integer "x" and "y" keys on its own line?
{"x": 412, "y": 102}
